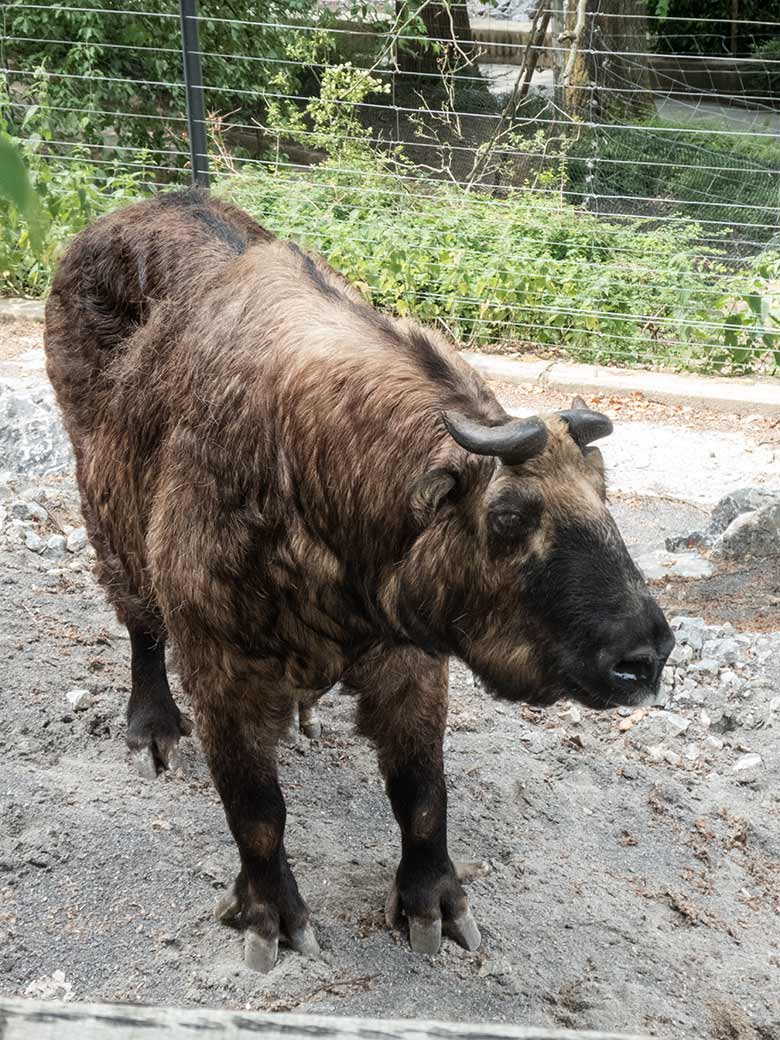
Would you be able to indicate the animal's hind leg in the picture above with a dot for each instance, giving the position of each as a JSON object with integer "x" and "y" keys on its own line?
{"x": 154, "y": 722}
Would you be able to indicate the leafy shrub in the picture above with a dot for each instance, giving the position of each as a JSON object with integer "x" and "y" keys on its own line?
{"x": 123, "y": 70}
{"x": 70, "y": 193}
{"x": 528, "y": 268}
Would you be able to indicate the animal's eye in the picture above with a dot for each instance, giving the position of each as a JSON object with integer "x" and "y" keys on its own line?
{"x": 508, "y": 522}
{"x": 509, "y": 528}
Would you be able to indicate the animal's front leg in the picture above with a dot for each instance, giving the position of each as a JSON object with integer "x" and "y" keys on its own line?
{"x": 403, "y": 709}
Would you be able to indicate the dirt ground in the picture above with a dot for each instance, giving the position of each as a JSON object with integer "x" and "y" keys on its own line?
{"x": 624, "y": 893}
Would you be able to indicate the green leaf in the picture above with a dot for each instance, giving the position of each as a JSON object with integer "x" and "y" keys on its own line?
{"x": 15, "y": 186}
{"x": 14, "y": 183}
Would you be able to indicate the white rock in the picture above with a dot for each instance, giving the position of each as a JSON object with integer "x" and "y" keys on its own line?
{"x": 77, "y": 540}
{"x": 707, "y": 666}
{"x": 681, "y": 655}
{"x": 571, "y": 714}
{"x": 704, "y": 719}
{"x": 55, "y": 546}
{"x": 676, "y": 724}
{"x": 34, "y": 542}
{"x": 690, "y": 631}
{"x": 715, "y": 743}
{"x": 750, "y": 761}
{"x": 79, "y": 699}
{"x": 774, "y": 704}
{"x": 663, "y": 564}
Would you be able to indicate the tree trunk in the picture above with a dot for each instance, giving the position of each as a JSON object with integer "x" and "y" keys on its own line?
{"x": 447, "y": 22}
{"x": 617, "y": 39}
{"x": 606, "y": 73}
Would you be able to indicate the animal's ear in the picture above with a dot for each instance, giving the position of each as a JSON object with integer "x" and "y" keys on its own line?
{"x": 431, "y": 491}
{"x": 578, "y": 403}
{"x": 596, "y": 462}
{"x": 595, "y": 458}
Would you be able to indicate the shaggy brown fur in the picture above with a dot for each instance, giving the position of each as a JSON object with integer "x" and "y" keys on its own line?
{"x": 266, "y": 477}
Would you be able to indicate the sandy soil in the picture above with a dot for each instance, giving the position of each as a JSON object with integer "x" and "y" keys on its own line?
{"x": 624, "y": 893}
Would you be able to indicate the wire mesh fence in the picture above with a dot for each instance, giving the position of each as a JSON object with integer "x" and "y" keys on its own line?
{"x": 597, "y": 179}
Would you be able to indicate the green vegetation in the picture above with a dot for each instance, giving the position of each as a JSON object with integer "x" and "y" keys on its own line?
{"x": 129, "y": 63}
{"x": 528, "y": 268}
{"x": 533, "y": 266}
{"x": 69, "y": 193}
{"x": 694, "y": 170}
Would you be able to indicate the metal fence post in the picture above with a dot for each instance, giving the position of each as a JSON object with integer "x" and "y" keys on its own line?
{"x": 193, "y": 82}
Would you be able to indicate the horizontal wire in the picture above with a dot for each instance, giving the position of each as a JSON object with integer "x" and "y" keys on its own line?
{"x": 121, "y": 147}
{"x": 661, "y": 17}
{"x": 560, "y": 274}
{"x": 416, "y": 178}
{"x": 53, "y": 157}
{"x": 591, "y": 195}
{"x": 606, "y": 230}
{"x": 236, "y": 91}
{"x": 92, "y": 44}
{"x": 595, "y": 14}
{"x": 594, "y": 88}
{"x": 394, "y": 142}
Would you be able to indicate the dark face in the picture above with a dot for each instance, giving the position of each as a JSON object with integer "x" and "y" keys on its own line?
{"x": 556, "y": 607}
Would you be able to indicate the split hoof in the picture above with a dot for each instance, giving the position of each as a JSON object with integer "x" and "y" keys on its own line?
{"x": 154, "y": 743}
{"x": 260, "y": 954}
{"x": 304, "y": 941}
{"x": 464, "y": 931}
{"x": 143, "y": 763}
{"x": 228, "y": 907}
{"x": 425, "y": 936}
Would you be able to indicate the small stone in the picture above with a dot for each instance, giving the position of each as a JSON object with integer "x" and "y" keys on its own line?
{"x": 676, "y": 724}
{"x": 689, "y": 631}
{"x": 672, "y": 758}
{"x": 745, "y": 762}
{"x": 714, "y": 743}
{"x": 725, "y": 721}
{"x": 79, "y": 699}
{"x": 751, "y": 535}
{"x": 692, "y": 752}
{"x": 704, "y": 719}
{"x": 571, "y": 714}
{"x": 707, "y": 666}
{"x": 34, "y": 542}
{"x": 774, "y": 705}
{"x": 725, "y": 651}
{"x": 662, "y": 564}
{"x": 656, "y": 753}
{"x": 729, "y": 680}
{"x": 681, "y": 655}
{"x": 77, "y": 540}
{"x": 55, "y": 547}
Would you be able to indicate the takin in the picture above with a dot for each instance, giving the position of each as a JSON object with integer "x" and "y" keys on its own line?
{"x": 299, "y": 491}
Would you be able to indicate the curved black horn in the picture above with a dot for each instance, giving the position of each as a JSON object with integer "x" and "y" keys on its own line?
{"x": 586, "y": 426}
{"x": 514, "y": 441}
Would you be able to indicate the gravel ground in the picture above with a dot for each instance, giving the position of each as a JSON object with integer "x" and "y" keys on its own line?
{"x": 634, "y": 878}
